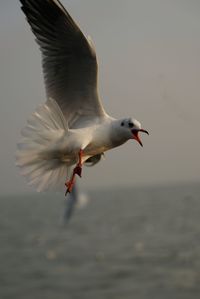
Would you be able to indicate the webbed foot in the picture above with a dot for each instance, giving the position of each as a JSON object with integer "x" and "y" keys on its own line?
{"x": 77, "y": 170}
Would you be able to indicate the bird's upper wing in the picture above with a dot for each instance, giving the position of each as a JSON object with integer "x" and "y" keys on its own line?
{"x": 68, "y": 59}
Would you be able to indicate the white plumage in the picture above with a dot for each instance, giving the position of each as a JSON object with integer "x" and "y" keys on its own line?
{"x": 40, "y": 149}
{"x": 72, "y": 127}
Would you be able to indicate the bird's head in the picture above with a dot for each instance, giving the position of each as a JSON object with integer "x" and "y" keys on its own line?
{"x": 131, "y": 128}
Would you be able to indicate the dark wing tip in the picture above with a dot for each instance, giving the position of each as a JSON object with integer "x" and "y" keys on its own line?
{"x": 47, "y": 17}
{"x": 48, "y": 8}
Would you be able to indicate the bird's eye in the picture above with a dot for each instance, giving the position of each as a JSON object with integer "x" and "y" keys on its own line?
{"x": 130, "y": 125}
{"x": 122, "y": 124}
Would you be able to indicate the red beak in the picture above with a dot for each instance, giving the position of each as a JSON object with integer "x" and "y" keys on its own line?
{"x": 136, "y": 135}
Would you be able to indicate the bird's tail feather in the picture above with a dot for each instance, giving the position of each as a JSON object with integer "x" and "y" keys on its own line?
{"x": 38, "y": 153}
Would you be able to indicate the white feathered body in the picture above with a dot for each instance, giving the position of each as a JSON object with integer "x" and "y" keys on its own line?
{"x": 49, "y": 148}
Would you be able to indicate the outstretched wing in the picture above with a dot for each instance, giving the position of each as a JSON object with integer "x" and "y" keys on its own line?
{"x": 68, "y": 59}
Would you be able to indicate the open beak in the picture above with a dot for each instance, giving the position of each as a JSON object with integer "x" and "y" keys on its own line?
{"x": 136, "y": 135}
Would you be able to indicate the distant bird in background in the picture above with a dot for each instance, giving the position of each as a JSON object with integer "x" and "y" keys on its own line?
{"x": 75, "y": 200}
{"x": 72, "y": 127}
{"x": 70, "y": 205}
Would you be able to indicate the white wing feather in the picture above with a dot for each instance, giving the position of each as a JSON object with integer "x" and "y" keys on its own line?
{"x": 68, "y": 59}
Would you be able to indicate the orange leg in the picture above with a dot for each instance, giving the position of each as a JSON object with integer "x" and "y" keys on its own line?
{"x": 77, "y": 170}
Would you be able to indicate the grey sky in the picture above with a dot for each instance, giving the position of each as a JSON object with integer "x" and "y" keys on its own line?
{"x": 149, "y": 62}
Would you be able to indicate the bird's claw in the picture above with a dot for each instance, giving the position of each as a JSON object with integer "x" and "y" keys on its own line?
{"x": 70, "y": 183}
{"x": 78, "y": 170}
{"x": 69, "y": 186}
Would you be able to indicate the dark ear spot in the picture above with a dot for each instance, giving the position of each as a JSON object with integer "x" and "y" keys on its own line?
{"x": 122, "y": 123}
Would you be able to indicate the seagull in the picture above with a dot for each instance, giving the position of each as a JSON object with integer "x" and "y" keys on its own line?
{"x": 71, "y": 128}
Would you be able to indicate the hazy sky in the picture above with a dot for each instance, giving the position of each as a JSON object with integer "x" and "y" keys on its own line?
{"x": 149, "y": 62}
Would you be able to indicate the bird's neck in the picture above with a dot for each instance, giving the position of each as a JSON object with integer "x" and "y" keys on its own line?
{"x": 116, "y": 136}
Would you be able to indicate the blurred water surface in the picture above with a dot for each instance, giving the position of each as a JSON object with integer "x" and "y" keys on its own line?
{"x": 131, "y": 243}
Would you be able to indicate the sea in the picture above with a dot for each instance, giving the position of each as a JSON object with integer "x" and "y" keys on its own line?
{"x": 121, "y": 244}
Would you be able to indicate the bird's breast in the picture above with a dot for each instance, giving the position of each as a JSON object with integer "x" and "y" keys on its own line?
{"x": 99, "y": 143}
{"x": 96, "y": 148}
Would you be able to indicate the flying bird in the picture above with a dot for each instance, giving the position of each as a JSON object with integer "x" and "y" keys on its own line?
{"x": 71, "y": 128}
